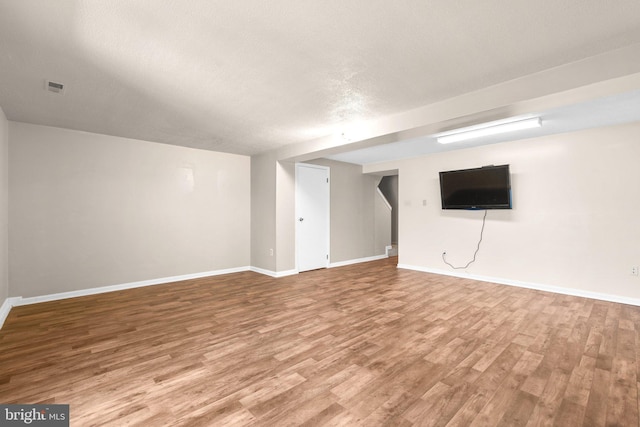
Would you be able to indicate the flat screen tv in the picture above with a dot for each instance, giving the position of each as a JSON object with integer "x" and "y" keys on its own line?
{"x": 488, "y": 187}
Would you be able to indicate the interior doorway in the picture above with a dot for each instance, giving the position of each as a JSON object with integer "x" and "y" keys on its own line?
{"x": 389, "y": 188}
{"x": 312, "y": 217}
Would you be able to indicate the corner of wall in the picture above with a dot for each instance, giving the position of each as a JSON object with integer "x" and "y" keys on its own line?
{"x": 4, "y": 212}
{"x": 263, "y": 211}
{"x": 285, "y": 217}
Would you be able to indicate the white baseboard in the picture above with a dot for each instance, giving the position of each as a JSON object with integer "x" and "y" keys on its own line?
{"x": 92, "y": 291}
{"x": 8, "y": 303}
{"x": 529, "y": 285}
{"x": 18, "y": 301}
{"x": 5, "y": 308}
{"x": 275, "y": 274}
{"x": 357, "y": 261}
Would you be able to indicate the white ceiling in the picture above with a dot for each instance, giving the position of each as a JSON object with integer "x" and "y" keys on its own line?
{"x": 606, "y": 111}
{"x": 250, "y": 76}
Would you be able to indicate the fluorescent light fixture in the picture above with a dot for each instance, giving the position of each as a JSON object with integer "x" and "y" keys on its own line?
{"x": 491, "y": 128}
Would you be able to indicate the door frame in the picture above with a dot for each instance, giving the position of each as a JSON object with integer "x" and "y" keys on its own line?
{"x": 297, "y": 212}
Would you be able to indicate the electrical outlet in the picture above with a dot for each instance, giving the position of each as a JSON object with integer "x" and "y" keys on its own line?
{"x": 271, "y": 252}
{"x": 634, "y": 271}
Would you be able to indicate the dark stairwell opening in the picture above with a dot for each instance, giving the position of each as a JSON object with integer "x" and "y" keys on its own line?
{"x": 389, "y": 188}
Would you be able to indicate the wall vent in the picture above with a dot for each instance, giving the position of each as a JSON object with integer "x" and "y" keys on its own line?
{"x": 55, "y": 87}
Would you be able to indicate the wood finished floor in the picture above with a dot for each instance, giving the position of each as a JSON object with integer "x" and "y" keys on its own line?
{"x": 366, "y": 344}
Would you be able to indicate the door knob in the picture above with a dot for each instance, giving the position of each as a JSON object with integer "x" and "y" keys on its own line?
{"x": 300, "y": 219}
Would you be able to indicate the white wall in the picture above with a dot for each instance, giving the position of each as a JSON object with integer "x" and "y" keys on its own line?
{"x": 90, "y": 210}
{"x": 4, "y": 210}
{"x": 575, "y": 221}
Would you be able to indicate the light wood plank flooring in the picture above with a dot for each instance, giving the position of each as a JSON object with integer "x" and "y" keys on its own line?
{"x": 366, "y": 344}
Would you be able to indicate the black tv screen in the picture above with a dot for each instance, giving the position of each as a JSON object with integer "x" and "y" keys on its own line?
{"x": 487, "y": 187}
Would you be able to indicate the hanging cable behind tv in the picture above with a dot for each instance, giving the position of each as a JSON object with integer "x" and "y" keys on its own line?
{"x": 444, "y": 254}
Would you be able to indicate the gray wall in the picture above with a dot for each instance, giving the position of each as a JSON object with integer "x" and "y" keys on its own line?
{"x": 359, "y": 228}
{"x": 90, "y": 210}
{"x": 285, "y": 217}
{"x": 4, "y": 210}
{"x": 263, "y": 211}
{"x": 353, "y": 213}
{"x": 272, "y": 214}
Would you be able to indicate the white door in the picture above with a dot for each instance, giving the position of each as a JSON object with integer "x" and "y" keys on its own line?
{"x": 312, "y": 217}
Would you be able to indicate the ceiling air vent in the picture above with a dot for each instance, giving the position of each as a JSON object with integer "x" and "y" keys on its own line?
{"x": 55, "y": 87}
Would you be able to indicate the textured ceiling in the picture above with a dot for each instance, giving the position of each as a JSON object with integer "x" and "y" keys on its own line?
{"x": 249, "y": 76}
